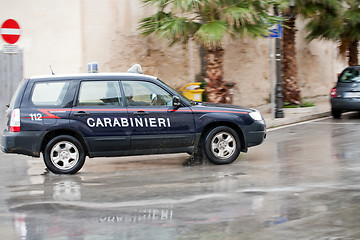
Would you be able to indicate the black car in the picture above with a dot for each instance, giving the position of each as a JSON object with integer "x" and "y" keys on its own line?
{"x": 69, "y": 117}
{"x": 345, "y": 96}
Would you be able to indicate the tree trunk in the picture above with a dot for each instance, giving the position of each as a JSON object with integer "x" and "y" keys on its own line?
{"x": 291, "y": 90}
{"x": 216, "y": 89}
{"x": 353, "y": 53}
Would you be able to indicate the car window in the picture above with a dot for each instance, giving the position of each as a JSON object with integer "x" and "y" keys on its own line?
{"x": 179, "y": 92}
{"x": 49, "y": 93}
{"x": 16, "y": 93}
{"x": 98, "y": 93}
{"x": 350, "y": 75}
{"x": 141, "y": 93}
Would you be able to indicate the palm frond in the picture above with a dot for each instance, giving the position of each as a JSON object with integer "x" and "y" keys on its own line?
{"x": 178, "y": 29}
{"x": 189, "y": 5}
{"x": 211, "y": 33}
{"x": 238, "y": 14}
{"x": 152, "y": 24}
{"x": 161, "y": 4}
{"x": 168, "y": 26}
{"x": 208, "y": 21}
{"x": 322, "y": 30}
{"x": 335, "y": 21}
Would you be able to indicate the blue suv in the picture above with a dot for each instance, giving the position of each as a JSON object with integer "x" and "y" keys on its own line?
{"x": 69, "y": 117}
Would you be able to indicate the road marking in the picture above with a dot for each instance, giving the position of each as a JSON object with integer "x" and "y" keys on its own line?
{"x": 296, "y": 124}
{"x": 337, "y": 123}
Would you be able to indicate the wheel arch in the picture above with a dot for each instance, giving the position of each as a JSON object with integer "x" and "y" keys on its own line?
{"x": 51, "y": 134}
{"x": 233, "y": 126}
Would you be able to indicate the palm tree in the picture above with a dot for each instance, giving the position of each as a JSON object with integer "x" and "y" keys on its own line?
{"x": 305, "y": 9}
{"x": 350, "y": 36}
{"x": 208, "y": 22}
{"x": 342, "y": 25}
{"x": 291, "y": 90}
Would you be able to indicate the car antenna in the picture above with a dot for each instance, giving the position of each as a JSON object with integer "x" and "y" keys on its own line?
{"x": 52, "y": 72}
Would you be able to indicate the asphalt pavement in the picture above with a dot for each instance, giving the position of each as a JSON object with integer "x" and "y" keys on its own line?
{"x": 302, "y": 183}
{"x": 322, "y": 108}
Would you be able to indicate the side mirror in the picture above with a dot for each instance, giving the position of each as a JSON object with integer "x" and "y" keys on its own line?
{"x": 176, "y": 101}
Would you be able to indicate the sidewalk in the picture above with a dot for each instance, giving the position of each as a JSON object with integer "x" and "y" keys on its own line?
{"x": 293, "y": 115}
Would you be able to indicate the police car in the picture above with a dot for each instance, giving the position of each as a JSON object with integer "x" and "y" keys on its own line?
{"x": 70, "y": 117}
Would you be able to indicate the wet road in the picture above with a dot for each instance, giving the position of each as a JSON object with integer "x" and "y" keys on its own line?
{"x": 301, "y": 183}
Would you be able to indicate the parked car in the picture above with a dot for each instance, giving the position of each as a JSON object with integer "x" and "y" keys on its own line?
{"x": 345, "y": 96}
{"x": 69, "y": 117}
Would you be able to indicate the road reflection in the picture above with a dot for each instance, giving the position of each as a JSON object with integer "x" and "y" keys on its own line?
{"x": 302, "y": 183}
{"x": 67, "y": 191}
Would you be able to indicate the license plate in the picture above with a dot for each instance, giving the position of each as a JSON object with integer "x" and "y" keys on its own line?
{"x": 352, "y": 95}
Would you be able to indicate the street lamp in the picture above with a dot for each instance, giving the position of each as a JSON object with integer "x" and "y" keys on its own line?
{"x": 292, "y": 7}
{"x": 279, "y": 113}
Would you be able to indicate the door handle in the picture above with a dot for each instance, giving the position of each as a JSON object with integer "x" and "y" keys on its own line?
{"x": 81, "y": 114}
{"x": 141, "y": 113}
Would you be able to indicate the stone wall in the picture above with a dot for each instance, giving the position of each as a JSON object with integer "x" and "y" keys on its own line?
{"x": 68, "y": 34}
{"x": 246, "y": 61}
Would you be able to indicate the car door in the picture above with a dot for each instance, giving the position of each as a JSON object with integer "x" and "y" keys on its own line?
{"x": 101, "y": 117}
{"x": 155, "y": 123}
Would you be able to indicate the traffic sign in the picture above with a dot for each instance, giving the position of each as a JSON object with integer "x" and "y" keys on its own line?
{"x": 276, "y": 31}
{"x": 11, "y": 49}
{"x": 10, "y": 31}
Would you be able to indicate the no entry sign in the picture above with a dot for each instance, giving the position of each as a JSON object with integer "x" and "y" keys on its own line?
{"x": 10, "y": 31}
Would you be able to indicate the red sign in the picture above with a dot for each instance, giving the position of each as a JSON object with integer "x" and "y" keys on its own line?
{"x": 10, "y": 31}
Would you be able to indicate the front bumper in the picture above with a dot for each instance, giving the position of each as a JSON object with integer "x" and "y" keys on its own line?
{"x": 25, "y": 142}
{"x": 255, "y": 133}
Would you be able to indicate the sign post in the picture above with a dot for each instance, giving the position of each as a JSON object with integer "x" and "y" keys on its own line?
{"x": 10, "y": 32}
{"x": 275, "y": 31}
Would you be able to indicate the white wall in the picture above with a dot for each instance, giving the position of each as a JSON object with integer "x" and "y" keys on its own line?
{"x": 49, "y": 34}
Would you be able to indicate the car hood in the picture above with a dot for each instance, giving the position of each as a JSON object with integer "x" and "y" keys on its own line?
{"x": 221, "y": 106}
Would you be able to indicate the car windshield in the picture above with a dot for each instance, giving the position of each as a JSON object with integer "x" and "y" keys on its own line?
{"x": 350, "y": 75}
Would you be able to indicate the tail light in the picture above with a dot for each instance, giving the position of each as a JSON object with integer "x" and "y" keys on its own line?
{"x": 333, "y": 93}
{"x": 15, "y": 120}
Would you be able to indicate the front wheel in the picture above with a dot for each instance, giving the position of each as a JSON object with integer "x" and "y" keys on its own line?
{"x": 64, "y": 155}
{"x": 222, "y": 145}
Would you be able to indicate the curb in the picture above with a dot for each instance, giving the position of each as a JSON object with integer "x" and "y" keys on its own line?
{"x": 273, "y": 123}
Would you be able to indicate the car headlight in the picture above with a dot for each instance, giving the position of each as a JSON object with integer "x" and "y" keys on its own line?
{"x": 256, "y": 115}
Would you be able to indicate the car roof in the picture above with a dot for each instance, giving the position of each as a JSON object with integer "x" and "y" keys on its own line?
{"x": 95, "y": 76}
{"x": 349, "y": 67}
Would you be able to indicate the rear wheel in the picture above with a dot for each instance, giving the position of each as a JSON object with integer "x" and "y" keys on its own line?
{"x": 336, "y": 113}
{"x": 64, "y": 155}
{"x": 222, "y": 145}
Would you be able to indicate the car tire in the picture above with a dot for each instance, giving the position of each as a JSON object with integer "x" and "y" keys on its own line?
{"x": 64, "y": 155}
{"x": 336, "y": 113}
{"x": 222, "y": 145}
